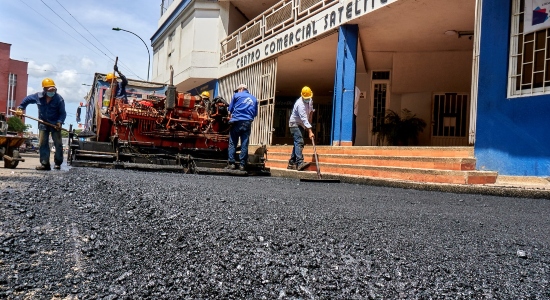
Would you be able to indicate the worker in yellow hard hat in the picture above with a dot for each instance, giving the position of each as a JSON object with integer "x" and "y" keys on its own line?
{"x": 299, "y": 123}
{"x": 120, "y": 89}
{"x": 51, "y": 110}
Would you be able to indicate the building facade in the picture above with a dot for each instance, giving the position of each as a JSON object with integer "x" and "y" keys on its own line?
{"x": 453, "y": 64}
{"x": 13, "y": 80}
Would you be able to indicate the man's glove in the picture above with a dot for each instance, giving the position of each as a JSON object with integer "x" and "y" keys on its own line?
{"x": 19, "y": 112}
{"x": 58, "y": 126}
{"x": 116, "y": 68}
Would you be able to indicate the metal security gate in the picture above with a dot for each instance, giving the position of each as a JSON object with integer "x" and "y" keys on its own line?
{"x": 260, "y": 79}
{"x": 450, "y": 120}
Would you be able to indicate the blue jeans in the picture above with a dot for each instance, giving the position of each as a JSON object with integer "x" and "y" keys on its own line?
{"x": 239, "y": 129}
{"x": 44, "y": 146}
{"x": 297, "y": 158}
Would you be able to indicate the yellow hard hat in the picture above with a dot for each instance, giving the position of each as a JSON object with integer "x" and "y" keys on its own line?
{"x": 48, "y": 82}
{"x": 307, "y": 93}
{"x": 205, "y": 94}
{"x": 110, "y": 77}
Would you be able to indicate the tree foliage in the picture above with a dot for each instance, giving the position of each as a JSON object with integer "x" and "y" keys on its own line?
{"x": 16, "y": 124}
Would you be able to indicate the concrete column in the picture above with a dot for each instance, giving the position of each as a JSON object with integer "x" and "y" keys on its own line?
{"x": 344, "y": 86}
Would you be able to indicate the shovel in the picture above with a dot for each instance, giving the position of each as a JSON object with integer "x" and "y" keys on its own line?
{"x": 319, "y": 176}
{"x": 40, "y": 121}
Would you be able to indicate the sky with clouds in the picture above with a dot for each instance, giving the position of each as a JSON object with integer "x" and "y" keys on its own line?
{"x": 70, "y": 40}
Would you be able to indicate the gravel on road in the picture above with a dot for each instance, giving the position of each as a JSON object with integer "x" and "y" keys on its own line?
{"x": 115, "y": 234}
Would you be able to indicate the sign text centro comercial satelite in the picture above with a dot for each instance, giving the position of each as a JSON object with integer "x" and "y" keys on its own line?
{"x": 310, "y": 28}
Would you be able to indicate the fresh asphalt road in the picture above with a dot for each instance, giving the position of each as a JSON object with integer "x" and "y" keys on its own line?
{"x": 114, "y": 234}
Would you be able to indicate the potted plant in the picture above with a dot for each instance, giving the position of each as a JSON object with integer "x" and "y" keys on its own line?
{"x": 399, "y": 130}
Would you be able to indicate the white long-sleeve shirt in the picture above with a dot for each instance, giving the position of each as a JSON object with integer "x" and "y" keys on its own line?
{"x": 300, "y": 113}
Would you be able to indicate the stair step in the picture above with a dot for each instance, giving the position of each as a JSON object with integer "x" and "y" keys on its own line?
{"x": 398, "y": 173}
{"x": 439, "y": 163}
{"x": 381, "y": 151}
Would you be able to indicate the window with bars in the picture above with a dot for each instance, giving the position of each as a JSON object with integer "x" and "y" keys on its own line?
{"x": 12, "y": 84}
{"x": 529, "y": 57}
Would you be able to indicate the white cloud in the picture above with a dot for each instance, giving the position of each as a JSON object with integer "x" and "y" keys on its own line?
{"x": 53, "y": 49}
{"x": 87, "y": 63}
{"x": 40, "y": 71}
{"x": 68, "y": 77}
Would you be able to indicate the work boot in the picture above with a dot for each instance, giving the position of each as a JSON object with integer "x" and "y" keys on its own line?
{"x": 43, "y": 167}
{"x": 291, "y": 165}
{"x": 242, "y": 168}
{"x": 230, "y": 166}
{"x": 57, "y": 167}
{"x": 302, "y": 166}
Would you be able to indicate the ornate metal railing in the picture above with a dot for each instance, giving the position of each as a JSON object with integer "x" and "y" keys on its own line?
{"x": 281, "y": 16}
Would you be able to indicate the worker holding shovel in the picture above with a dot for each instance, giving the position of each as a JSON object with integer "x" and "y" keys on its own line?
{"x": 299, "y": 123}
{"x": 51, "y": 111}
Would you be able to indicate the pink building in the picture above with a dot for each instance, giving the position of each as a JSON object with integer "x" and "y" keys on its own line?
{"x": 13, "y": 80}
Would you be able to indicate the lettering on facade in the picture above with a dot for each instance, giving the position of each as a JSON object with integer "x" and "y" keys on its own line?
{"x": 311, "y": 29}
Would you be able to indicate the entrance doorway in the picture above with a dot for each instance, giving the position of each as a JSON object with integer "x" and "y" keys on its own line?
{"x": 380, "y": 95}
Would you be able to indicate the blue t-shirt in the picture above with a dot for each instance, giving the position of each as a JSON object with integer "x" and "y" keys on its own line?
{"x": 53, "y": 112}
{"x": 243, "y": 107}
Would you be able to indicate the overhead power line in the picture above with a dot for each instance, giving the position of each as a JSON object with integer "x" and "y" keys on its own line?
{"x": 92, "y": 50}
{"x": 93, "y": 36}
{"x": 58, "y": 26}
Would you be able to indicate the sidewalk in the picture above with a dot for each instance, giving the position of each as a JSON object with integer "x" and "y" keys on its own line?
{"x": 28, "y": 166}
{"x": 506, "y": 186}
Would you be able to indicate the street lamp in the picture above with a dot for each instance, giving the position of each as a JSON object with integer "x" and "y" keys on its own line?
{"x": 148, "y": 53}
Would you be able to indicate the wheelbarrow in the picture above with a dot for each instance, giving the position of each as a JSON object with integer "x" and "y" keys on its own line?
{"x": 9, "y": 150}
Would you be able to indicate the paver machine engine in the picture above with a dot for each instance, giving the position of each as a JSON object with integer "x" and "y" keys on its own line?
{"x": 158, "y": 129}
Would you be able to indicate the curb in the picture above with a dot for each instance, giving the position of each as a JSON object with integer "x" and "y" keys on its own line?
{"x": 493, "y": 190}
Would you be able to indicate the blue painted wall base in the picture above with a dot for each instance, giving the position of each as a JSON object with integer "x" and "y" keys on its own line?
{"x": 512, "y": 135}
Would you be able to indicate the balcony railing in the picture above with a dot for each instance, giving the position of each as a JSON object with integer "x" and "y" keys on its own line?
{"x": 164, "y": 4}
{"x": 279, "y": 17}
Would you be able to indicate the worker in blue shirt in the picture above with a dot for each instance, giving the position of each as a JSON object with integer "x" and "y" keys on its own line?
{"x": 51, "y": 109}
{"x": 242, "y": 109}
{"x": 120, "y": 89}
{"x": 299, "y": 122}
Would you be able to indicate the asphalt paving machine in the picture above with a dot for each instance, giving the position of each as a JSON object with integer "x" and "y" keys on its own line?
{"x": 157, "y": 128}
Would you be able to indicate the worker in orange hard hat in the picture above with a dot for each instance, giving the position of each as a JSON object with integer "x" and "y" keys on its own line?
{"x": 120, "y": 89}
{"x": 299, "y": 122}
{"x": 51, "y": 109}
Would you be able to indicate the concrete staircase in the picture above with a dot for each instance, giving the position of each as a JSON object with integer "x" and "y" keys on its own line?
{"x": 453, "y": 165}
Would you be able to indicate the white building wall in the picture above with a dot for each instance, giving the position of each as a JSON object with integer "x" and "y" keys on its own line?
{"x": 417, "y": 76}
{"x": 197, "y": 33}
{"x": 416, "y": 72}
